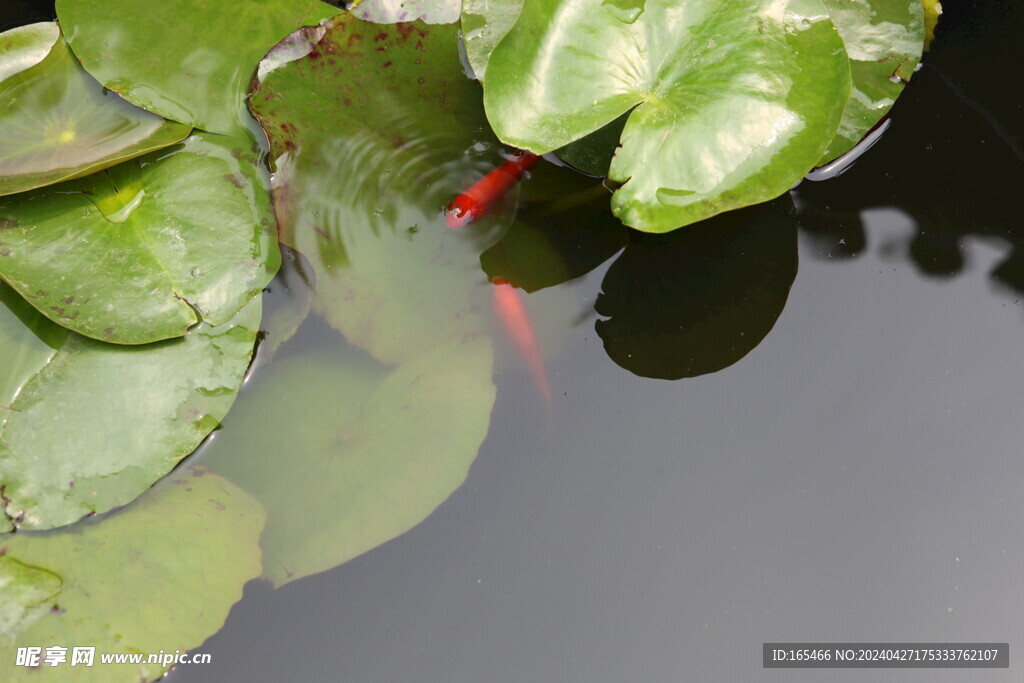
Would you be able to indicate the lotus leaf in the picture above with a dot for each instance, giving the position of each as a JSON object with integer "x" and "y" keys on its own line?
{"x": 86, "y": 426}
{"x": 371, "y": 452}
{"x": 884, "y": 39}
{"x": 58, "y": 122}
{"x": 158, "y": 576}
{"x": 131, "y": 254}
{"x": 732, "y": 102}
{"x": 373, "y": 130}
{"x": 189, "y": 61}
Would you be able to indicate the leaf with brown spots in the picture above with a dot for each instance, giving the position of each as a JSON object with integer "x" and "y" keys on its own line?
{"x": 89, "y": 426}
{"x": 160, "y": 575}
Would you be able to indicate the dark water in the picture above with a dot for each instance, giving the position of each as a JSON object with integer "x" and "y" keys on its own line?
{"x": 855, "y": 476}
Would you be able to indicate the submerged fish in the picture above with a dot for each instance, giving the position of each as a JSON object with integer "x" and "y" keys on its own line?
{"x": 511, "y": 311}
{"x": 478, "y": 200}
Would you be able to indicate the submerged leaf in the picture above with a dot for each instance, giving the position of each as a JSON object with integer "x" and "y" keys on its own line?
{"x": 189, "y": 61}
{"x": 25, "y": 593}
{"x": 129, "y": 255}
{"x": 884, "y": 39}
{"x": 734, "y": 102}
{"x": 373, "y": 130}
{"x": 57, "y": 121}
{"x": 89, "y": 426}
{"x": 372, "y": 453}
{"x": 160, "y": 576}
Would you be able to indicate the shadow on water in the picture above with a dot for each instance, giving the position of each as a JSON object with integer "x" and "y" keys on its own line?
{"x": 22, "y": 12}
{"x": 940, "y": 116}
{"x": 698, "y": 300}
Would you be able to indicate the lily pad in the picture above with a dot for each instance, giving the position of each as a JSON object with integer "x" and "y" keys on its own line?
{"x": 734, "y": 102}
{"x": 160, "y": 576}
{"x": 372, "y": 452}
{"x": 884, "y": 39}
{"x": 484, "y": 24}
{"x": 88, "y": 426}
{"x": 373, "y": 130}
{"x": 131, "y": 254}
{"x": 58, "y": 122}
{"x": 189, "y": 61}
{"x": 396, "y": 11}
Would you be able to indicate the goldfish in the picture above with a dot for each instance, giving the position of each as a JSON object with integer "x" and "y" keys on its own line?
{"x": 475, "y": 202}
{"x": 511, "y": 311}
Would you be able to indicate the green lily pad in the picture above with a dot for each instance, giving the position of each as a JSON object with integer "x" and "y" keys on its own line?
{"x": 372, "y": 452}
{"x": 734, "y": 102}
{"x": 88, "y": 426}
{"x": 129, "y": 255}
{"x": 25, "y": 46}
{"x": 484, "y": 24}
{"x": 160, "y": 576}
{"x": 58, "y": 122}
{"x": 884, "y": 39}
{"x": 189, "y": 61}
{"x": 368, "y": 147}
{"x": 396, "y": 11}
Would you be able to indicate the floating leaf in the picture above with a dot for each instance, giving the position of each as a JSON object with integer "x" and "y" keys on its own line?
{"x": 88, "y": 426}
{"x": 484, "y": 24}
{"x": 884, "y": 39}
{"x": 189, "y": 61}
{"x": 129, "y": 255}
{"x": 159, "y": 576}
{"x": 373, "y": 130}
{"x": 25, "y": 46}
{"x": 734, "y": 102}
{"x": 932, "y": 12}
{"x": 396, "y": 11}
{"x": 58, "y": 122}
{"x": 371, "y": 453}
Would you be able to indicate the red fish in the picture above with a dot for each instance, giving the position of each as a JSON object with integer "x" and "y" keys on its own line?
{"x": 511, "y": 310}
{"x": 478, "y": 200}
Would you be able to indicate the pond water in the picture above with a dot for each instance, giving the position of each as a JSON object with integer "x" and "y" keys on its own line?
{"x": 837, "y": 456}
